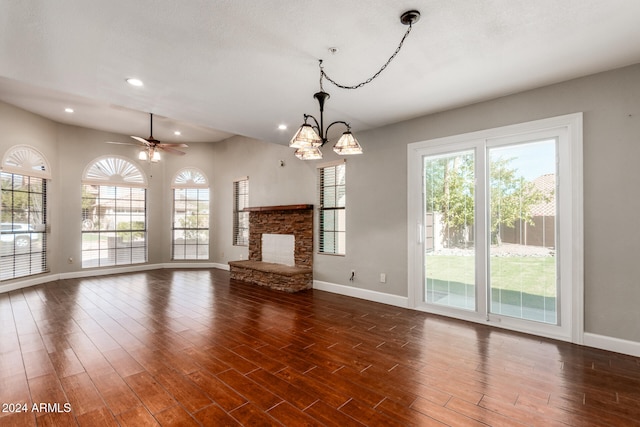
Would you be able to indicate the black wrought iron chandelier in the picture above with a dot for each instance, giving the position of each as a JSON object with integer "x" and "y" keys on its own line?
{"x": 310, "y": 137}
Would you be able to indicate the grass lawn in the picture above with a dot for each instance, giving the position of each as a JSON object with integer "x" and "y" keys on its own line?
{"x": 522, "y": 287}
{"x": 533, "y": 275}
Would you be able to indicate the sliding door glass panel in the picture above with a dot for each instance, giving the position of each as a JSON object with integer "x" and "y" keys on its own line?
{"x": 522, "y": 250}
{"x": 449, "y": 267}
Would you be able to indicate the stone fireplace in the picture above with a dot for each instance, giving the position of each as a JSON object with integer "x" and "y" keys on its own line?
{"x": 280, "y": 248}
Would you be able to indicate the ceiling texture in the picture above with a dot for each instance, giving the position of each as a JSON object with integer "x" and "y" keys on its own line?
{"x": 216, "y": 68}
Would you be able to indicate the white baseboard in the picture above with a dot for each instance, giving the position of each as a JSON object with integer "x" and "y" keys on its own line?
{"x": 221, "y": 266}
{"x": 617, "y": 345}
{"x": 51, "y": 277}
{"x": 31, "y": 281}
{"x": 107, "y": 271}
{"x": 195, "y": 265}
{"x": 365, "y": 294}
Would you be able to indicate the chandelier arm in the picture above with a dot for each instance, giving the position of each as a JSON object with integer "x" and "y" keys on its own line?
{"x": 323, "y": 74}
{"x": 335, "y": 123}
{"x": 316, "y": 127}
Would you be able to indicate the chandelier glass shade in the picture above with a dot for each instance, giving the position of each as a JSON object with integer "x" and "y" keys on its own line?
{"x": 347, "y": 144}
{"x": 305, "y": 137}
{"x": 308, "y": 153}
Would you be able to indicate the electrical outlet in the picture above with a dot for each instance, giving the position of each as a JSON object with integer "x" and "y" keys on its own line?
{"x": 383, "y": 278}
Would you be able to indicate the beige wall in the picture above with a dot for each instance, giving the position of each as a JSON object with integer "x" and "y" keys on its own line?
{"x": 269, "y": 184}
{"x": 377, "y": 188}
{"x": 611, "y": 105}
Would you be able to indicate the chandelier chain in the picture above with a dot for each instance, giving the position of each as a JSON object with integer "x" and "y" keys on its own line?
{"x": 323, "y": 74}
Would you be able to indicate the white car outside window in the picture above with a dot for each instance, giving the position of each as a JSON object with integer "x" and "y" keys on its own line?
{"x": 17, "y": 235}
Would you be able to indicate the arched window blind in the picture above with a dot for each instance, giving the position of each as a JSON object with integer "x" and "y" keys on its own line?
{"x": 189, "y": 178}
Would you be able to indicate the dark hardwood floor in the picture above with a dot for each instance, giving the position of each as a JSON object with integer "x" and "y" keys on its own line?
{"x": 191, "y": 347}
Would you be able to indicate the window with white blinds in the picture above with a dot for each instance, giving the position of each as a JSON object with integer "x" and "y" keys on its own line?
{"x": 332, "y": 215}
{"x": 240, "y": 218}
{"x": 190, "y": 233}
{"x": 23, "y": 213}
{"x": 23, "y": 241}
{"x": 114, "y": 213}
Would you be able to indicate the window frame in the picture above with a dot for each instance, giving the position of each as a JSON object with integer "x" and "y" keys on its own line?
{"x": 28, "y": 163}
{"x": 240, "y": 201}
{"x": 570, "y": 235}
{"x": 339, "y": 208}
{"x": 32, "y": 258}
{"x": 191, "y": 180}
{"x": 106, "y": 179}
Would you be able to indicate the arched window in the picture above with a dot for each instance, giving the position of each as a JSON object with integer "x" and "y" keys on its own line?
{"x": 190, "y": 233}
{"x": 114, "y": 214}
{"x": 23, "y": 213}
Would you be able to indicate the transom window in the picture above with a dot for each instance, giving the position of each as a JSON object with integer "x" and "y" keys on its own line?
{"x": 23, "y": 213}
{"x": 332, "y": 190}
{"x": 114, "y": 216}
{"x": 190, "y": 234}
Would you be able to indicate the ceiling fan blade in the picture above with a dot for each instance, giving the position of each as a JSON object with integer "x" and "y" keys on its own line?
{"x": 164, "y": 145}
{"x": 172, "y": 150}
{"x": 142, "y": 140}
{"x": 120, "y": 143}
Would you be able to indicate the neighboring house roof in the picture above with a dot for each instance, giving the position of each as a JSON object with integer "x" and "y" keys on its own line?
{"x": 547, "y": 185}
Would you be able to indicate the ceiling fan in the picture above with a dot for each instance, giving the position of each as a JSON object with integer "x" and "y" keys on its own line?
{"x": 153, "y": 146}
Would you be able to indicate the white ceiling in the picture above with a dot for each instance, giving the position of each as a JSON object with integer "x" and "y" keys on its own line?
{"x": 216, "y": 68}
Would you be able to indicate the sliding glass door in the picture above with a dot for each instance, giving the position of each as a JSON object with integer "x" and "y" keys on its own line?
{"x": 493, "y": 216}
{"x": 522, "y": 236}
{"x": 449, "y": 211}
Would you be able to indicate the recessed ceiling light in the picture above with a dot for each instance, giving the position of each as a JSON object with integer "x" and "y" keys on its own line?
{"x": 178, "y": 133}
{"x": 135, "y": 82}
{"x": 282, "y": 127}
{"x": 68, "y": 110}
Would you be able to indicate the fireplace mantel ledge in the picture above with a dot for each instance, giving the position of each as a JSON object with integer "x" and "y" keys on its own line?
{"x": 278, "y": 208}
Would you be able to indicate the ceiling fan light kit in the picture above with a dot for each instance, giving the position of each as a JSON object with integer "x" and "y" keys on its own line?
{"x": 151, "y": 155}
{"x": 309, "y": 138}
{"x": 151, "y": 147}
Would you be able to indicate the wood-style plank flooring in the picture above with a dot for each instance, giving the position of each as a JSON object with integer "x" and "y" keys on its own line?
{"x": 191, "y": 347}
